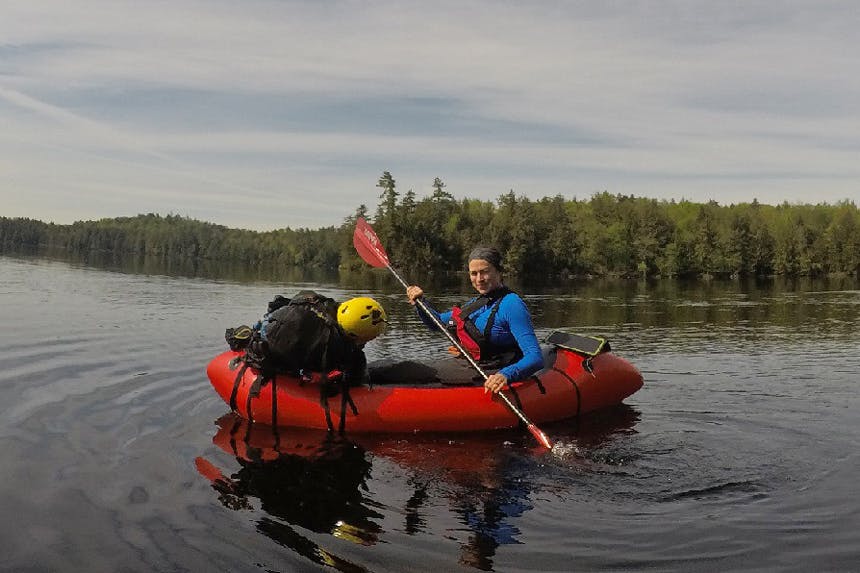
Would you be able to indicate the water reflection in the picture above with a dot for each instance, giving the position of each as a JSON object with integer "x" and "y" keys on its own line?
{"x": 829, "y": 305}
{"x": 310, "y": 480}
{"x": 303, "y": 479}
{"x": 193, "y": 268}
{"x": 489, "y": 480}
{"x": 762, "y": 398}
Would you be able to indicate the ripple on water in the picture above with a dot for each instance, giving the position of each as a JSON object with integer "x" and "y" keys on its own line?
{"x": 738, "y": 453}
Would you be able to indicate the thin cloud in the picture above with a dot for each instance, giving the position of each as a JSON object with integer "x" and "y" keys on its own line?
{"x": 299, "y": 106}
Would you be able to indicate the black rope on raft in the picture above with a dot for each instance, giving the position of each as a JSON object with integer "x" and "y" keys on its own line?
{"x": 236, "y": 382}
{"x": 345, "y": 399}
{"x": 250, "y": 415}
{"x": 275, "y": 414}
{"x": 519, "y": 404}
{"x": 539, "y": 383}
{"x": 324, "y": 389}
{"x": 575, "y": 387}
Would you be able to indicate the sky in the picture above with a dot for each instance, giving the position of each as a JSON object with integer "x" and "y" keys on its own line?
{"x": 264, "y": 114}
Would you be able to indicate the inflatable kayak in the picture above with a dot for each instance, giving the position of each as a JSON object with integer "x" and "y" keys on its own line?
{"x": 572, "y": 383}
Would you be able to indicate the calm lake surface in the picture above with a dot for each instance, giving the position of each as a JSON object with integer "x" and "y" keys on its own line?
{"x": 739, "y": 454}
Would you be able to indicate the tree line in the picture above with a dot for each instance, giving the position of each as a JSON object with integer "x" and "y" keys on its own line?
{"x": 605, "y": 235}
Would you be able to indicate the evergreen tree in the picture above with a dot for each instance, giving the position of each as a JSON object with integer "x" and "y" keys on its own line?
{"x": 607, "y": 235}
{"x": 439, "y": 194}
{"x": 386, "y": 212}
{"x": 706, "y": 245}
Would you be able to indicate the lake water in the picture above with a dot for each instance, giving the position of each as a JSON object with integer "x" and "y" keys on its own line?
{"x": 739, "y": 454}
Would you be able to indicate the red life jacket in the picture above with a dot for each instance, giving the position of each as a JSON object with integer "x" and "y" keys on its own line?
{"x": 473, "y": 340}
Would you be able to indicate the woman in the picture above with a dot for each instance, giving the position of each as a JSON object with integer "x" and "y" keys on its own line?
{"x": 495, "y": 326}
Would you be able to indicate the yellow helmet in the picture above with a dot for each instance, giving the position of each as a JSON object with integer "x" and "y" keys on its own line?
{"x": 361, "y": 318}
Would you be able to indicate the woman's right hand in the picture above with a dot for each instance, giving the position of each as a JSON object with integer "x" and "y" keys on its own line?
{"x": 413, "y": 293}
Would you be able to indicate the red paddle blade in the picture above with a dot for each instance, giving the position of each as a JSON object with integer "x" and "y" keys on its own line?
{"x": 540, "y": 436}
{"x": 368, "y": 245}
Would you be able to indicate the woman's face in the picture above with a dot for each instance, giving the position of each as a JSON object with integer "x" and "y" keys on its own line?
{"x": 484, "y": 276}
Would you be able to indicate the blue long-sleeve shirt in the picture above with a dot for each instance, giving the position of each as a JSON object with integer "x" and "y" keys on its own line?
{"x": 512, "y": 324}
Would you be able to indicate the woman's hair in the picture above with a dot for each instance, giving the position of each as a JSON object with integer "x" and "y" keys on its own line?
{"x": 489, "y": 254}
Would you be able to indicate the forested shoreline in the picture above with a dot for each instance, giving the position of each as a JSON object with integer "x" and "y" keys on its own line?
{"x": 605, "y": 235}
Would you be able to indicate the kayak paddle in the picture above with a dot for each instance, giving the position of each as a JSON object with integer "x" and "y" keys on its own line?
{"x": 370, "y": 249}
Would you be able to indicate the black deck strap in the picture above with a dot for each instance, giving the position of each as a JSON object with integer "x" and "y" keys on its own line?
{"x": 538, "y": 382}
{"x": 325, "y": 384}
{"x": 276, "y": 431}
{"x": 583, "y": 345}
{"x": 344, "y": 398}
{"x": 352, "y": 405}
{"x": 254, "y": 391}
{"x": 324, "y": 404}
{"x": 275, "y": 403}
{"x": 549, "y": 354}
{"x": 257, "y": 385}
{"x": 519, "y": 404}
{"x": 239, "y": 376}
{"x": 250, "y": 416}
{"x": 575, "y": 387}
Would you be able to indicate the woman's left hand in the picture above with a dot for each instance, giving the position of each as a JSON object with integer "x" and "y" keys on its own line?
{"x": 495, "y": 383}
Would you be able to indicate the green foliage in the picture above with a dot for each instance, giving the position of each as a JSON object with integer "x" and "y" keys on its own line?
{"x": 607, "y": 235}
{"x": 175, "y": 238}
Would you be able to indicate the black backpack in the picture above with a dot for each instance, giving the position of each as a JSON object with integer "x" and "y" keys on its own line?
{"x": 304, "y": 334}
{"x": 299, "y": 336}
